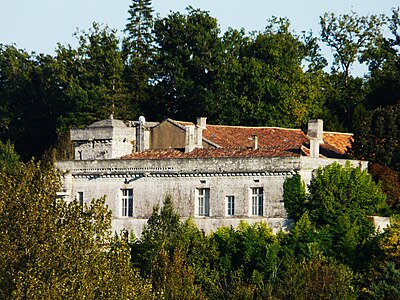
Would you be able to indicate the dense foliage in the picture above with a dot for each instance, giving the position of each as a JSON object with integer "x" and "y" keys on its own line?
{"x": 182, "y": 66}
{"x": 51, "y": 249}
{"x": 332, "y": 252}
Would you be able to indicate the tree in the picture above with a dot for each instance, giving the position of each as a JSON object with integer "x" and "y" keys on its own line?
{"x": 318, "y": 278}
{"x": 378, "y": 138}
{"x": 175, "y": 255}
{"x": 335, "y": 218}
{"x": 139, "y": 43}
{"x": 294, "y": 196}
{"x": 340, "y": 201}
{"x": 336, "y": 189}
{"x": 348, "y": 36}
{"x": 390, "y": 184}
{"x": 174, "y": 278}
{"x": 248, "y": 260}
{"x": 55, "y": 250}
{"x": 138, "y": 51}
{"x": 162, "y": 232}
{"x": 9, "y": 159}
{"x": 386, "y": 286}
{"x": 383, "y": 59}
{"x": 93, "y": 79}
{"x": 188, "y": 57}
{"x": 28, "y": 95}
{"x": 262, "y": 82}
{"x": 382, "y": 278}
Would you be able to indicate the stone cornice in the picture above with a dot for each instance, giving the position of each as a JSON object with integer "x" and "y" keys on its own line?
{"x": 137, "y": 175}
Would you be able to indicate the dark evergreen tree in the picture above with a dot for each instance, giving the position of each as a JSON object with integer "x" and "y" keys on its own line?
{"x": 138, "y": 51}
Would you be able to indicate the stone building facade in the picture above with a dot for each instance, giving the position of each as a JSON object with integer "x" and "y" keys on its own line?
{"x": 217, "y": 174}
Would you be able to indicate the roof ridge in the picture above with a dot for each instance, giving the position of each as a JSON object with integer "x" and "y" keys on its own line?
{"x": 254, "y": 127}
{"x": 175, "y": 122}
{"x": 237, "y": 126}
{"x": 336, "y": 132}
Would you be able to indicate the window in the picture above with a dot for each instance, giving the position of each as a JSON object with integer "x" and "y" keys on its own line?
{"x": 230, "y": 205}
{"x": 203, "y": 197}
{"x": 257, "y": 201}
{"x": 80, "y": 198}
{"x": 127, "y": 202}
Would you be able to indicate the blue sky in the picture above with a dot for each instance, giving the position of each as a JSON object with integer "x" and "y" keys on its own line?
{"x": 38, "y": 25}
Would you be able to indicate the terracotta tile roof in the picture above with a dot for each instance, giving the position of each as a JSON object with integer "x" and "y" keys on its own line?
{"x": 238, "y": 136}
{"x": 238, "y": 141}
{"x": 336, "y": 144}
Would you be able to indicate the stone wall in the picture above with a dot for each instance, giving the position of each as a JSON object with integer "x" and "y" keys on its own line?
{"x": 183, "y": 165}
{"x": 153, "y": 179}
{"x": 103, "y": 142}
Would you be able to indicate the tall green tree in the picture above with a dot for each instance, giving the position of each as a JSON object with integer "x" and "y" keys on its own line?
{"x": 248, "y": 260}
{"x": 294, "y": 196}
{"x": 162, "y": 231}
{"x": 348, "y": 36}
{"x": 262, "y": 80}
{"x": 138, "y": 51}
{"x": 188, "y": 57}
{"x": 172, "y": 253}
{"x": 340, "y": 201}
{"x": 383, "y": 59}
{"x": 93, "y": 76}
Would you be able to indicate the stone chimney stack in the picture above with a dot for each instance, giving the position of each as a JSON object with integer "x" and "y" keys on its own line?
{"x": 316, "y": 134}
{"x": 202, "y": 122}
{"x": 190, "y": 141}
{"x": 255, "y": 140}
{"x": 316, "y": 130}
{"x": 140, "y": 134}
{"x": 201, "y": 125}
{"x": 194, "y": 134}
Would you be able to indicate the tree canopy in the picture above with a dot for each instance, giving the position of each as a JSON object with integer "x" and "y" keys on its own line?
{"x": 183, "y": 66}
{"x": 52, "y": 249}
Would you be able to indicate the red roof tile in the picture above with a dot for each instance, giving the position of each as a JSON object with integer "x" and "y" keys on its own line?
{"x": 337, "y": 142}
{"x": 238, "y": 141}
{"x": 238, "y": 136}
